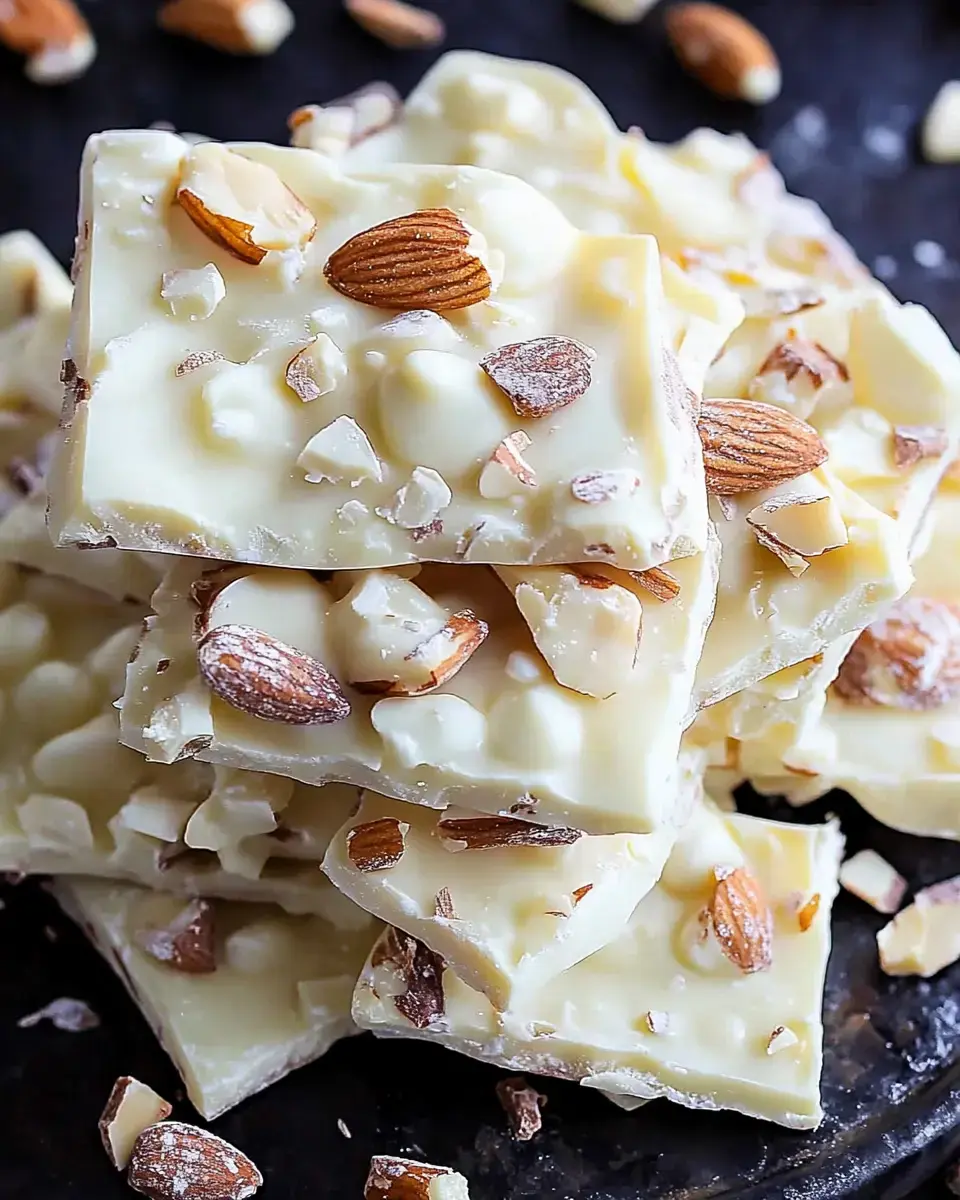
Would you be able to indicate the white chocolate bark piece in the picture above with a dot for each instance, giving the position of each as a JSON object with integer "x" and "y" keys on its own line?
{"x": 230, "y": 403}
{"x": 278, "y": 998}
{"x": 491, "y": 730}
{"x": 506, "y": 916}
{"x": 662, "y": 1011}
{"x": 924, "y": 937}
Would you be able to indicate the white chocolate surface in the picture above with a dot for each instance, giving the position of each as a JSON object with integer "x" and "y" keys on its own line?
{"x": 592, "y": 1020}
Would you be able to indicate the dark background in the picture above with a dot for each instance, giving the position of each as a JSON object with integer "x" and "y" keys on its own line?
{"x": 857, "y": 79}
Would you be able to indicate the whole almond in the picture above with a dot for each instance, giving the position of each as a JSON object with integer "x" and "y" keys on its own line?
{"x": 376, "y": 845}
{"x": 260, "y": 675}
{"x": 748, "y": 446}
{"x": 541, "y": 375}
{"x": 174, "y": 1161}
{"x": 724, "y": 51}
{"x": 742, "y": 921}
{"x": 398, "y": 25}
{"x": 423, "y": 260}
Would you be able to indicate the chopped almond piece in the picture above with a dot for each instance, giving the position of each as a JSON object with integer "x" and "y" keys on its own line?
{"x": 807, "y": 912}
{"x": 490, "y": 833}
{"x": 421, "y": 970}
{"x": 522, "y": 1104}
{"x": 397, "y": 24}
{"x": 658, "y": 582}
{"x": 872, "y": 878}
{"x": 187, "y": 943}
{"x": 377, "y": 845}
{"x": 130, "y": 1109}
{"x": 434, "y": 661}
{"x": 444, "y": 905}
{"x": 912, "y": 443}
{"x": 507, "y": 468}
{"x": 798, "y": 527}
{"x": 393, "y": 1178}
{"x": 781, "y": 1038}
{"x": 923, "y": 938}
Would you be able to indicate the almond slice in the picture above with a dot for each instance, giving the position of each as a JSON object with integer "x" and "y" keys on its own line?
{"x": 241, "y": 205}
{"x": 506, "y": 468}
{"x": 175, "y": 1161}
{"x": 741, "y": 919}
{"x": 781, "y": 1039}
{"x": 660, "y": 583}
{"x": 522, "y": 1104}
{"x": 397, "y": 24}
{"x": 491, "y": 833}
{"x": 260, "y": 675}
{"x": 130, "y": 1109}
{"x": 874, "y": 880}
{"x": 911, "y": 443}
{"x": 797, "y": 527}
{"x": 924, "y": 937}
{"x": 724, "y": 51}
{"x": 422, "y": 972}
{"x": 599, "y": 487}
{"x": 437, "y": 659}
{"x": 338, "y": 124}
{"x": 234, "y": 26}
{"x": 428, "y": 259}
{"x": 542, "y": 375}
{"x": 187, "y": 943}
{"x": 794, "y": 374}
{"x": 909, "y": 659}
{"x": 53, "y": 36}
{"x": 393, "y": 1178}
{"x": 748, "y": 446}
{"x": 196, "y": 360}
{"x": 377, "y": 845}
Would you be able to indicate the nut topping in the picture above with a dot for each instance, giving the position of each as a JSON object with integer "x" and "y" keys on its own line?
{"x": 924, "y": 937}
{"x": 795, "y": 373}
{"x": 234, "y": 26}
{"x": 392, "y": 1178}
{"x": 807, "y": 912}
{"x": 490, "y": 833}
{"x": 597, "y": 487}
{"x": 174, "y": 1161}
{"x": 427, "y": 259}
{"x": 435, "y": 660}
{"x": 796, "y": 527}
{"x": 522, "y": 1104}
{"x": 260, "y": 675}
{"x": 742, "y": 921}
{"x": 506, "y": 468}
{"x": 874, "y": 880}
{"x": 131, "y": 1108}
{"x": 187, "y": 943}
{"x": 542, "y": 375}
{"x": 443, "y": 906}
{"x": 659, "y": 582}
{"x": 422, "y": 972}
{"x": 376, "y": 845}
{"x": 196, "y": 360}
{"x": 52, "y": 34}
{"x": 748, "y": 446}
{"x": 911, "y": 443}
{"x": 397, "y": 24}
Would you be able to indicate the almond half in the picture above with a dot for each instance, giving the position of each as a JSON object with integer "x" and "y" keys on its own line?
{"x": 741, "y": 919}
{"x": 491, "y": 833}
{"x": 425, "y": 260}
{"x": 748, "y": 446}
{"x": 376, "y": 845}
{"x": 174, "y": 1161}
{"x": 187, "y": 943}
{"x": 724, "y": 51}
{"x": 436, "y": 660}
{"x": 542, "y": 375}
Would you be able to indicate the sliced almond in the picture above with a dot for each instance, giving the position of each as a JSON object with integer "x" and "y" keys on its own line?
{"x": 874, "y": 880}
{"x": 798, "y": 527}
{"x": 130, "y": 1109}
{"x": 908, "y": 659}
{"x": 428, "y": 259}
{"x": 657, "y": 1021}
{"x": 260, "y": 675}
{"x": 599, "y": 487}
{"x": 435, "y": 660}
{"x": 911, "y": 443}
{"x": 741, "y": 919}
{"x": 522, "y": 1104}
{"x": 748, "y": 446}
{"x": 444, "y": 906}
{"x": 807, "y": 912}
{"x": 196, "y": 360}
{"x": 724, "y": 51}
{"x": 393, "y": 1178}
{"x": 187, "y": 944}
{"x": 317, "y": 369}
{"x": 924, "y": 937}
{"x": 340, "y": 452}
{"x": 399, "y": 25}
{"x": 491, "y": 833}
{"x": 174, "y": 1161}
{"x": 794, "y": 375}
{"x": 242, "y": 205}
{"x": 234, "y": 26}
{"x": 506, "y": 468}
{"x": 578, "y": 893}
{"x": 53, "y": 36}
{"x": 422, "y": 972}
{"x": 376, "y": 845}
{"x": 659, "y": 582}
{"x": 781, "y": 1039}
{"x": 542, "y": 375}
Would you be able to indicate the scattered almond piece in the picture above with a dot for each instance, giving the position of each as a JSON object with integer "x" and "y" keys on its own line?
{"x": 657, "y": 1021}
{"x": 397, "y": 24}
{"x": 911, "y": 443}
{"x": 807, "y": 912}
{"x": 393, "y": 1178}
{"x": 658, "y": 582}
{"x": 377, "y": 845}
{"x": 187, "y": 943}
{"x": 542, "y": 375}
{"x": 797, "y": 527}
{"x": 748, "y": 446}
{"x": 193, "y": 294}
{"x": 522, "y": 1104}
{"x": 53, "y": 36}
{"x": 334, "y": 127}
{"x": 874, "y": 880}
{"x": 490, "y": 833}
{"x": 599, "y": 487}
{"x": 923, "y": 938}
{"x": 781, "y": 1038}
{"x": 196, "y": 360}
{"x": 795, "y": 375}
{"x": 419, "y": 502}
{"x": 422, "y": 972}
{"x": 235, "y": 26}
{"x": 724, "y": 51}
{"x": 174, "y": 1161}
{"x": 130, "y": 1109}
{"x": 940, "y": 138}
{"x": 72, "y": 1016}
{"x": 507, "y": 468}
{"x": 444, "y": 906}
{"x": 425, "y": 260}
{"x": 434, "y": 661}
{"x": 317, "y": 369}
{"x": 340, "y": 452}
{"x": 741, "y": 919}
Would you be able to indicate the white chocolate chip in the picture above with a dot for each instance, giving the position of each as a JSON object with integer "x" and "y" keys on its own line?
{"x": 193, "y": 294}
{"x": 340, "y": 452}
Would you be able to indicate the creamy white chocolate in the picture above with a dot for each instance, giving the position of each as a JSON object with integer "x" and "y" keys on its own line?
{"x": 507, "y": 918}
{"x": 222, "y": 475}
{"x": 278, "y": 998}
{"x": 711, "y": 1050}
{"x": 498, "y": 734}
{"x": 924, "y": 937}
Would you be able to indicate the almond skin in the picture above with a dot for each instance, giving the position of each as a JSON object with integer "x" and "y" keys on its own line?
{"x": 393, "y": 1178}
{"x": 421, "y": 260}
{"x": 912, "y": 443}
{"x": 522, "y": 1104}
{"x": 442, "y": 656}
{"x": 174, "y": 1161}
{"x": 725, "y": 52}
{"x": 748, "y": 446}
{"x": 658, "y": 582}
{"x": 541, "y": 375}
{"x": 397, "y": 24}
{"x": 489, "y": 833}
{"x": 376, "y": 845}
{"x": 260, "y": 675}
{"x": 742, "y": 921}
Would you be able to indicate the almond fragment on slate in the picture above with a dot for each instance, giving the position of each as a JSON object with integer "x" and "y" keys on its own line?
{"x": 748, "y": 446}
{"x": 436, "y": 659}
{"x": 724, "y": 51}
{"x": 912, "y": 443}
{"x": 424, "y": 260}
{"x": 397, "y": 24}
{"x": 393, "y": 1178}
{"x": 542, "y": 375}
{"x": 741, "y": 919}
{"x": 924, "y": 937}
{"x": 522, "y": 1104}
{"x": 187, "y": 943}
{"x": 175, "y": 1161}
{"x": 376, "y": 845}
{"x": 130, "y": 1109}
{"x": 234, "y": 26}
{"x": 260, "y": 675}
{"x": 490, "y": 833}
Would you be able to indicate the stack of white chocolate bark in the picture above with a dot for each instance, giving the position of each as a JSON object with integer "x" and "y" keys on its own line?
{"x": 494, "y": 477}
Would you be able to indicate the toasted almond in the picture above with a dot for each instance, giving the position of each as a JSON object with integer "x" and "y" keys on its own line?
{"x": 130, "y": 1109}
{"x": 522, "y": 1104}
{"x": 507, "y": 467}
{"x": 874, "y": 880}
{"x": 234, "y": 26}
{"x": 490, "y": 833}
{"x": 748, "y": 446}
{"x": 174, "y": 1161}
{"x": 260, "y": 675}
{"x": 187, "y": 943}
{"x": 422, "y": 972}
{"x": 400, "y": 26}
{"x": 393, "y": 1178}
{"x": 443, "y": 905}
{"x": 542, "y": 375}
{"x": 806, "y": 913}
{"x": 660, "y": 583}
{"x": 241, "y": 205}
{"x": 908, "y": 659}
{"x": 911, "y": 443}
{"x": 598, "y": 487}
{"x": 724, "y": 51}
{"x": 741, "y": 919}
{"x": 440, "y": 657}
{"x": 426, "y": 259}
{"x": 196, "y": 360}
{"x": 376, "y": 845}
{"x": 52, "y": 34}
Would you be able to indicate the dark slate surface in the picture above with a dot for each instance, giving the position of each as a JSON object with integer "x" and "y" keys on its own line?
{"x": 858, "y": 78}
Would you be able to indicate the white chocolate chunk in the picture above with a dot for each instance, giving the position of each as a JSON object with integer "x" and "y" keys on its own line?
{"x": 874, "y": 880}
{"x": 923, "y": 938}
{"x": 507, "y": 472}
{"x": 340, "y": 452}
{"x": 193, "y": 294}
{"x": 940, "y": 136}
{"x": 419, "y": 501}
{"x": 131, "y": 1108}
